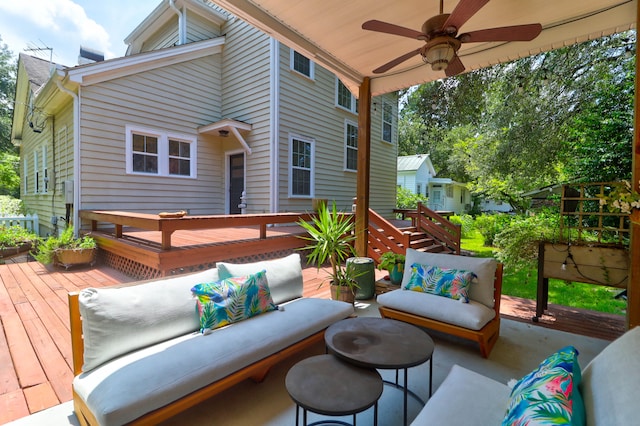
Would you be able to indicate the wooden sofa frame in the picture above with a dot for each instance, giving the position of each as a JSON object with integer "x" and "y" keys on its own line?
{"x": 256, "y": 371}
{"x": 486, "y": 336}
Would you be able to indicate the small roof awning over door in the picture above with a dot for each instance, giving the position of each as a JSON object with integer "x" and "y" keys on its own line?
{"x": 228, "y": 126}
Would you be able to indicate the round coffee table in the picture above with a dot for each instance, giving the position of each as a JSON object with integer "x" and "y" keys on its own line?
{"x": 326, "y": 385}
{"x": 382, "y": 343}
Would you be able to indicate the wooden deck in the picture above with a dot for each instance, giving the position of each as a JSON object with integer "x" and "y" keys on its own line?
{"x": 35, "y": 348}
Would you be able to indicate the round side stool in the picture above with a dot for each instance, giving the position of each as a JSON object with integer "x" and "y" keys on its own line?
{"x": 325, "y": 385}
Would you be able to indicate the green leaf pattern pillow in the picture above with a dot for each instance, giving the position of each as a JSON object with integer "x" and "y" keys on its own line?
{"x": 451, "y": 283}
{"x": 230, "y": 300}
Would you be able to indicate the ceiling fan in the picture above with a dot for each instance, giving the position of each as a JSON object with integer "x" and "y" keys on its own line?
{"x": 440, "y": 33}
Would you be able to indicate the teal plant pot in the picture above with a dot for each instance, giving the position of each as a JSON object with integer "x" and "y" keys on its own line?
{"x": 395, "y": 275}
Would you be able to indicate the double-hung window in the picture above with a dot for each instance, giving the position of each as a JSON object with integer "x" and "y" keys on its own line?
{"x": 301, "y": 178}
{"x": 387, "y": 122}
{"x": 351, "y": 146}
{"x": 36, "y": 172}
{"x": 302, "y": 64}
{"x": 344, "y": 98}
{"x": 151, "y": 152}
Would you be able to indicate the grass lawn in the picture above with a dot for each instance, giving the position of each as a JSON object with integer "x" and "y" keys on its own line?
{"x": 524, "y": 284}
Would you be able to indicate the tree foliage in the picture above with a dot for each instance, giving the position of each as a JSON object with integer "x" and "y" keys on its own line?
{"x": 9, "y": 170}
{"x": 558, "y": 116}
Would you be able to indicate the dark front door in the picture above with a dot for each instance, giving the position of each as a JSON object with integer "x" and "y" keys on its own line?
{"x": 236, "y": 182}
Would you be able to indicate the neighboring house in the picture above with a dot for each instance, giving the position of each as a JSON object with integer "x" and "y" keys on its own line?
{"x": 417, "y": 174}
{"x": 202, "y": 108}
{"x": 487, "y": 205}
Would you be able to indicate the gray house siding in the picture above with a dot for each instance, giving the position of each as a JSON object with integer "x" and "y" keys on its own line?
{"x": 173, "y": 99}
{"x": 245, "y": 94}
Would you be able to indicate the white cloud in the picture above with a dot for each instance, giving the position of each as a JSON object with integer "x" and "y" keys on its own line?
{"x": 64, "y": 20}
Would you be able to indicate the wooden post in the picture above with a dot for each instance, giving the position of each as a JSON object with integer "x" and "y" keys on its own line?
{"x": 633, "y": 289}
{"x": 364, "y": 166}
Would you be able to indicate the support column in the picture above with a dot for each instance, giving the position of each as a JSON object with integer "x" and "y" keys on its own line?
{"x": 364, "y": 166}
{"x": 633, "y": 288}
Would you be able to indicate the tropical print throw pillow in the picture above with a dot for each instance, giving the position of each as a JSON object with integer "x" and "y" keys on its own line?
{"x": 451, "y": 283}
{"x": 549, "y": 395}
{"x": 231, "y": 300}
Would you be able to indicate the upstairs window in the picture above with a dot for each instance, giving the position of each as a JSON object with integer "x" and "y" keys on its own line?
{"x": 351, "y": 146}
{"x": 301, "y": 64}
{"x": 344, "y": 98}
{"x": 387, "y": 122}
{"x": 157, "y": 153}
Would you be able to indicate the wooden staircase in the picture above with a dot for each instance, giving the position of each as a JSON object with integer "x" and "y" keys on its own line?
{"x": 430, "y": 232}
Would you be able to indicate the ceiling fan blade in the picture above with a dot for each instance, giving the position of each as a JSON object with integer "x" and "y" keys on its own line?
{"x": 515, "y": 33}
{"x": 455, "y": 67}
{"x": 462, "y": 12}
{"x": 385, "y": 27}
{"x": 397, "y": 61}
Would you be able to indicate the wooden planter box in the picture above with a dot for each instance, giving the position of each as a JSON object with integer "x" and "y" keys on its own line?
{"x": 12, "y": 251}
{"x": 70, "y": 257}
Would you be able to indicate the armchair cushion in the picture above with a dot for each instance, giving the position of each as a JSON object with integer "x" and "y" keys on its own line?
{"x": 481, "y": 289}
{"x": 472, "y": 315}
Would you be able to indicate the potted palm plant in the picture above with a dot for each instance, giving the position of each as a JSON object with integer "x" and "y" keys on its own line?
{"x": 393, "y": 263}
{"x": 66, "y": 250}
{"x": 331, "y": 239}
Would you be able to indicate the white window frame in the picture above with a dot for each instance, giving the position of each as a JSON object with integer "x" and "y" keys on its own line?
{"x": 311, "y": 169}
{"x": 353, "y": 102}
{"x": 387, "y": 123}
{"x": 45, "y": 170}
{"x": 311, "y": 75}
{"x": 348, "y": 123}
{"x": 25, "y": 170}
{"x": 36, "y": 172}
{"x": 163, "y": 152}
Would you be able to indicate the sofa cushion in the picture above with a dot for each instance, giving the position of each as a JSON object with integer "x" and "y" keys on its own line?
{"x": 549, "y": 394}
{"x": 610, "y": 382}
{"x": 451, "y": 283}
{"x": 472, "y": 315}
{"x": 481, "y": 289}
{"x": 224, "y": 302}
{"x": 284, "y": 275}
{"x": 130, "y": 386}
{"x": 465, "y": 398}
{"x": 119, "y": 320}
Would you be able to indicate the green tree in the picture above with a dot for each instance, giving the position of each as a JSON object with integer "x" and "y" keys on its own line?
{"x": 514, "y": 127}
{"x": 9, "y": 178}
{"x": 7, "y": 93}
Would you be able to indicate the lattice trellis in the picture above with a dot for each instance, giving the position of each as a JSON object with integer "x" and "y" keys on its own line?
{"x": 143, "y": 272}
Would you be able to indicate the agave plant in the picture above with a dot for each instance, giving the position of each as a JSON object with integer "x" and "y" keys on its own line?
{"x": 331, "y": 235}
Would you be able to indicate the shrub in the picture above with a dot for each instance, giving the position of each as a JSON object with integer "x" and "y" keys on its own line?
{"x": 406, "y": 199}
{"x": 517, "y": 244}
{"x": 10, "y": 206}
{"x": 466, "y": 222}
{"x": 489, "y": 225}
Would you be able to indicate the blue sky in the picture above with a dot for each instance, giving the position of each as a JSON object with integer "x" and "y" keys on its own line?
{"x": 65, "y": 25}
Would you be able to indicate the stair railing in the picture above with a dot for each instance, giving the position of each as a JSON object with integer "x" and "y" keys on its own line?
{"x": 439, "y": 228}
{"x": 384, "y": 237}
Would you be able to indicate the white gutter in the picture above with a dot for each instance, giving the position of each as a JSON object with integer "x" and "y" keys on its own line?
{"x": 76, "y": 153}
{"x": 182, "y": 33}
{"x": 274, "y": 125}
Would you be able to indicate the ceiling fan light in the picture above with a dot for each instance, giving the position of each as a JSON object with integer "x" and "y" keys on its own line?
{"x": 439, "y": 53}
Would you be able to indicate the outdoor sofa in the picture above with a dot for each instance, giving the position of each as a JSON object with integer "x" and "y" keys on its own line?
{"x": 607, "y": 392}
{"x": 474, "y": 316}
{"x": 139, "y": 355}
